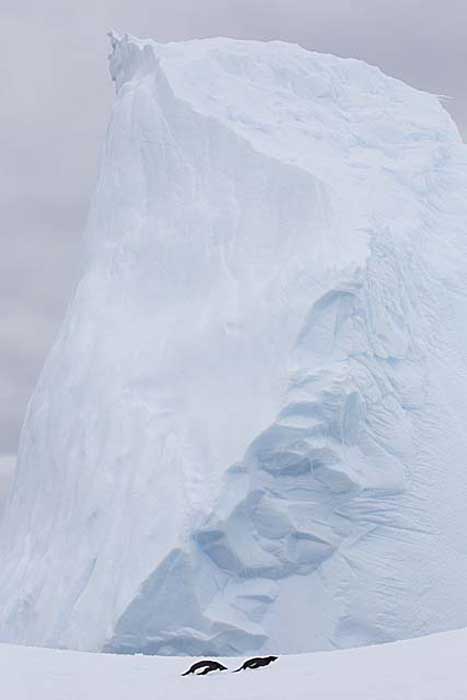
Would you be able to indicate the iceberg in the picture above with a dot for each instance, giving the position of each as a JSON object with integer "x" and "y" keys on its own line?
{"x": 250, "y": 433}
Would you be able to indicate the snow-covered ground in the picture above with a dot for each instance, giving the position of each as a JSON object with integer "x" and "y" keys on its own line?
{"x": 428, "y": 668}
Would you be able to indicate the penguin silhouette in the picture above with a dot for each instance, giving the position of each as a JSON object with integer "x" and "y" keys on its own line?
{"x": 205, "y": 667}
{"x": 256, "y": 662}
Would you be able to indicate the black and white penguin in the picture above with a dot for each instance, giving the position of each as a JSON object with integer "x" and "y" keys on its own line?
{"x": 204, "y": 667}
{"x": 256, "y": 662}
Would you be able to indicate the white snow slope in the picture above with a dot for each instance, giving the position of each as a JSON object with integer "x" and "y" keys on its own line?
{"x": 251, "y": 432}
{"x": 429, "y": 668}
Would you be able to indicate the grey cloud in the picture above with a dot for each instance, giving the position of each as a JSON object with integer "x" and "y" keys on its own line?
{"x": 7, "y": 467}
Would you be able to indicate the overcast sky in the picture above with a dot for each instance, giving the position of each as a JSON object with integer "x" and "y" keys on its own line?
{"x": 55, "y": 97}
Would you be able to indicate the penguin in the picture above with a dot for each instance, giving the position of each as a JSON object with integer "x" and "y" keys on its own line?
{"x": 206, "y": 666}
{"x": 257, "y": 662}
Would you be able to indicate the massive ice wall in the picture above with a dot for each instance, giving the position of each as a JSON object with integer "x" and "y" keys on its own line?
{"x": 250, "y": 433}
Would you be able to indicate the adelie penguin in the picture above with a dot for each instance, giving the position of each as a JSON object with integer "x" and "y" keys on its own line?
{"x": 204, "y": 667}
{"x": 257, "y": 662}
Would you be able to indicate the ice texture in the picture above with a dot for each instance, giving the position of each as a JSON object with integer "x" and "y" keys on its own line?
{"x": 250, "y": 433}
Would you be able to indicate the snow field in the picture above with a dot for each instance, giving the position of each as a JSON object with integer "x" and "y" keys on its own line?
{"x": 430, "y": 668}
